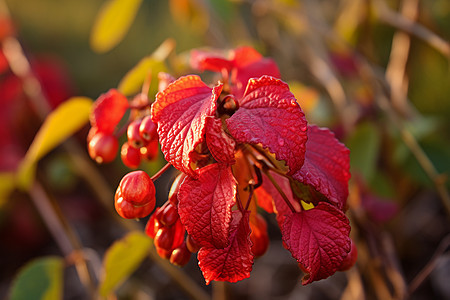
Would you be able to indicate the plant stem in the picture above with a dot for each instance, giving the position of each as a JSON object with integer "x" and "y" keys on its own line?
{"x": 161, "y": 171}
{"x": 280, "y": 191}
{"x": 69, "y": 246}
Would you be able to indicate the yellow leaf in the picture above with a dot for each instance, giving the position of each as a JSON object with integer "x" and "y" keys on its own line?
{"x": 7, "y": 184}
{"x": 132, "y": 82}
{"x": 122, "y": 259}
{"x": 112, "y": 23}
{"x": 63, "y": 122}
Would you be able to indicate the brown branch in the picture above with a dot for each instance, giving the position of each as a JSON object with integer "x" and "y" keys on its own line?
{"x": 385, "y": 14}
{"x": 395, "y": 70}
{"x": 70, "y": 247}
{"x": 429, "y": 267}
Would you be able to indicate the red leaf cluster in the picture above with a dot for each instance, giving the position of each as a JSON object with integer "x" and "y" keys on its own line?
{"x": 241, "y": 143}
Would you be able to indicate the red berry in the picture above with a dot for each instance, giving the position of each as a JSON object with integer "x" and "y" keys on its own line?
{"x": 103, "y": 147}
{"x": 350, "y": 259}
{"x": 151, "y": 228}
{"x": 259, "y": 236}
{"x": 147, "y": 129}
{"x": 163, "y": 253}
{"x": 131, "y": 157}
{"x": 129, "y": 211}
{"x": 179, "y": 231}
{"x": 134, "y": 138}
{"x": 135, "y": 196}
{"x": 192, "y": 244}
{"x": 169, "y": 215}
{"x": 173, "y": 193}
{"x": 92, "y": 132}
{"x": 108, "y": 110}
{"x": 164, "y": 238}
{"x": 150, "y": 150}
{"x": 138, "y": 188}
{"x": 180, "y": 256}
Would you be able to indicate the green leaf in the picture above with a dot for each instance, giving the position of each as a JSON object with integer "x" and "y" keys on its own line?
{"x": 223, "y": 8}
{"x": 40, "y": 279}
{"x": 122, "y": 259}
{"x": 63, "y": 122}
{"x": 151, "y": 65}
{"x": 364, "y": 145}
{"x": 112, "y": 23}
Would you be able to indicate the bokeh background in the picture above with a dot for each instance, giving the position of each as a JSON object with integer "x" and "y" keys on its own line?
{"x": 376, "y": 72}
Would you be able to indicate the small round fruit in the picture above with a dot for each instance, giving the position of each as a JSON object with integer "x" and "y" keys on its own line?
{"x": 164, "y": 238}
{"x": 131, "y": 157}
{"x": 152, "y": 226}
{"x": 350, "y": 259}
{"x": 169, "y": 215}
{"x": 138, "y": 188}
{"x": 150, "y": 150}
{"x": 148, "y": 129}
{"x": 128, "y": 210}
{"x": 163, "y": 253}
{"x": 191, "y": 244}
{"x": 135, "y": 196}
{"x": 173, "y": 193}
{"x": 103, "y": 147}
{"x": 180, "y": 256}
{"x": 134, "y": 138}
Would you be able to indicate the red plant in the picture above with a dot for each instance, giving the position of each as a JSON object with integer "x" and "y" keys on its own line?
{"x": 241, "y": 143}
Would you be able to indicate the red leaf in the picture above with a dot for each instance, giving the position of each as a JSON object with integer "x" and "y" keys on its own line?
{"x": 108, "y": 110}
{"x": 210, "y": 60}
{"x": 220, "y": 144}
{"x": 244, "y": 56}
{"x": 269, "y": 115}
{"x": 326, "y": 166}
{"x": 265, "y": 66}
{"x": 234, "y": 262}
{"x": 205, "y": 205}
{"x": 248, "y": 63}
{"x": 181, "y": 111}
{"x": 318, "y": 239}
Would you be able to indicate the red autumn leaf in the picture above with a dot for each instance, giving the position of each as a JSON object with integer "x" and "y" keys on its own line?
{"x": 269, "y": 115}
{"x": 204, "y": 205}
{"x": 210, "y": 60}
{"x": 180, "y": 112}
{"x": 244, "y": 56}
{"x": 240, "y": 64}
{"x": 326, "y": 166}
{"x": 108, "y": 110}
{"x": 220, "y": 144}
{"x": 318, "y": 239}
{"x": 234, "y": 262}
{"x": 248, "y": 63}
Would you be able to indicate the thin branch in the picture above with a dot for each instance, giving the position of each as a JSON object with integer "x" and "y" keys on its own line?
{"x": 161, "y": 171}
{"x": 280, "y": 191}
{"x": 429, "y": 267}
{"x": 396, "y": 20}
{"x": 60, "y": 234}
{"x": 395, "y": 70}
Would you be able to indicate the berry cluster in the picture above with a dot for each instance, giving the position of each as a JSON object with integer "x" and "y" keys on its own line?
{"x": 142, "y": 137}
{"x": 241, "y": 145}
{"x": 169, "y": 234}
